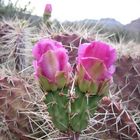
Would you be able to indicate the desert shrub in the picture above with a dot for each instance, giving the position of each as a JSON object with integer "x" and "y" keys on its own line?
{"x": 10, "y": 10}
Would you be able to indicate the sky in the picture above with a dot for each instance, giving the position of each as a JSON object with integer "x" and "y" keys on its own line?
{"x": 121, "y": 10}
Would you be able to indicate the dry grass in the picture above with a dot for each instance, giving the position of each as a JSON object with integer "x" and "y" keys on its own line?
{"x": 130, "y": 49}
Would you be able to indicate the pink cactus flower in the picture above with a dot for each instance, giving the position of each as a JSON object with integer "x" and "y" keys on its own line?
{"x": 51, "y": 62}
{"x": 48, "y": 9}
{"x": 95, "y": 62}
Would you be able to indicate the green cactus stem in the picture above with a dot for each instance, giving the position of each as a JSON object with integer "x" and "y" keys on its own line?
{"x": 79, "y": 112}
{"x": 93, "y": 101}
{"x": 57, "y": 103}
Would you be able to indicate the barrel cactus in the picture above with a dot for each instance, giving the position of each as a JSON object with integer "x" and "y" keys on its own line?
{"x": 14, "y": 40}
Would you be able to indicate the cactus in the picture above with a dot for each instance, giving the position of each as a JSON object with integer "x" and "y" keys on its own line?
{"x": 126, "y": 80}
{"x": 4, "y": 29}
{"x": 115, "y": 120}
{"x": 14, "y": 99}
{"x": 79, "y": 111}
{"x": 76, "y": 97}
{"x": 57, "y": 103}
{"x": 22, "y": 113}
{"x": 108, "y": 116}
{"x": 77, "y": 107}
{"x": 14, "y": 38}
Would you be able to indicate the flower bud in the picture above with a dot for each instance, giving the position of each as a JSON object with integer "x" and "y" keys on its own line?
{"x": 51, "y": 64}
{"x": 95, "y": 66}
{"x": 48, "y": 9}
{"x": 47, "y": 12}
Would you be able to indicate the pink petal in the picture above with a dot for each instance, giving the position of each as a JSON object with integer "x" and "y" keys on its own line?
{"x": 99, "y": 50}
{"x": 49, "y": 65}
{"x": 94, "y": 67}
{"x": 43, "y": 46}
{"x": 48, "y": 8}
{"x": 36, "y": 51}
{"x": 62, "y": 58}
{"x": 81, "y": 50}
{"x": 37, "y": 69}
{"x": 68, "y": 68}
{"x": 64, "y": 65}
{"x": 110, "y": 72}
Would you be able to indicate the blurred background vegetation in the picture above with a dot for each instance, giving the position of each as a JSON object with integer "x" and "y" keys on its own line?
{"x": 115, "y": 31}
{"x": 10, "y": 10}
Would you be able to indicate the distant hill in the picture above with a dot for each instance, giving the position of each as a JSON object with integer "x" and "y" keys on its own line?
{"x": 113, "y": 27}
{"x": 110, "y": 22}
{"x": 133, "y": 26}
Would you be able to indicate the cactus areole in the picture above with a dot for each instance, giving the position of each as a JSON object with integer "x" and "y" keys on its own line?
{"x": 73, "y": 97}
